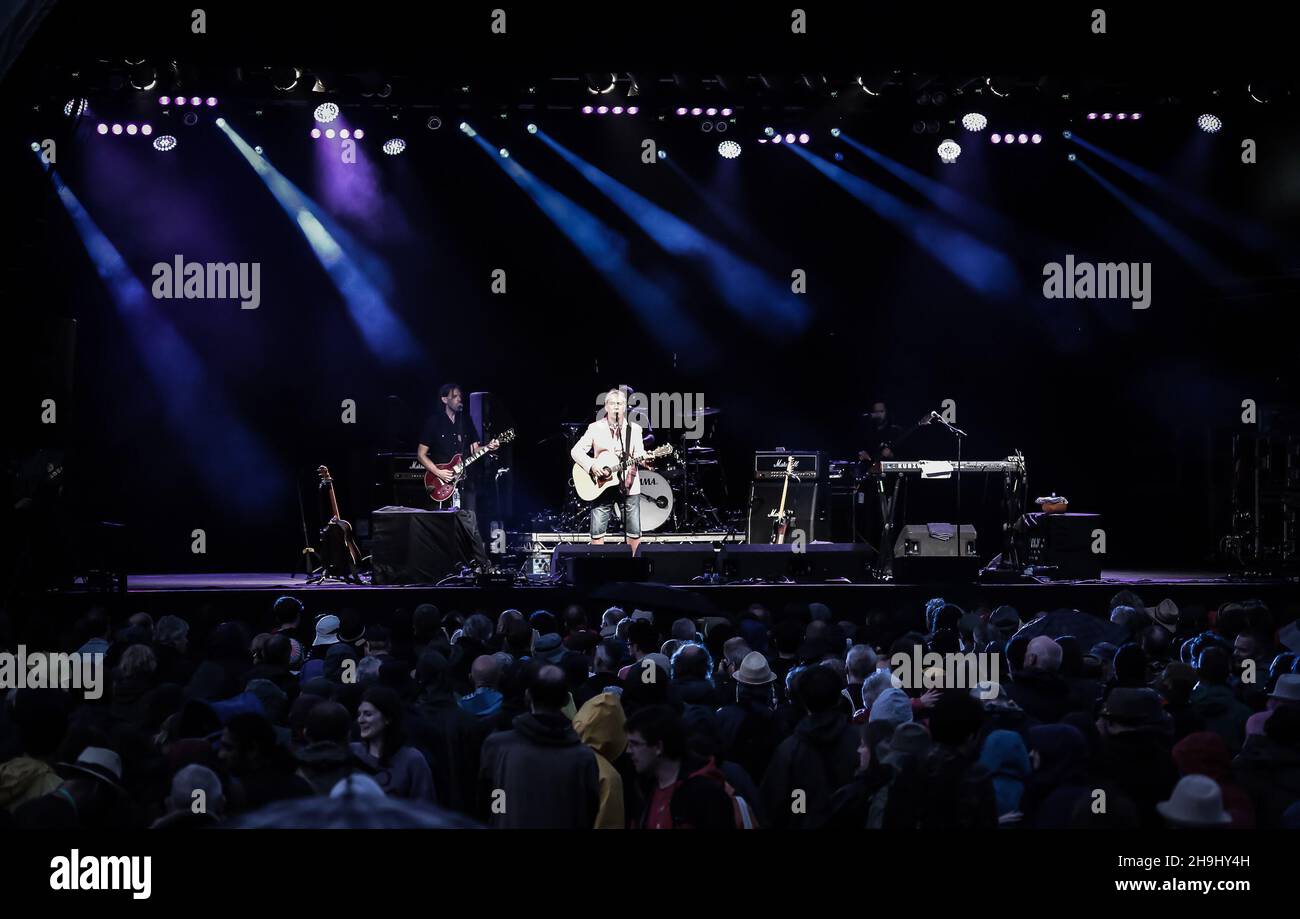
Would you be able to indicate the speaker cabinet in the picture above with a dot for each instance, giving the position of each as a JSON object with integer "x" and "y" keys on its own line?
{"x": 804, "y": 498}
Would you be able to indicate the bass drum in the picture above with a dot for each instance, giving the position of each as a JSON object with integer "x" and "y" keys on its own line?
{"x": 656, "y": 501}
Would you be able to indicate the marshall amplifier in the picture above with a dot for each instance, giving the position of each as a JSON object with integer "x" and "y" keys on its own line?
{"x": 400, "y": 481}
{"x": 809, "y": 465}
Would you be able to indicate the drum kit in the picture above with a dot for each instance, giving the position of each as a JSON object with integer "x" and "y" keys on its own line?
{"x": 673, "y": 496}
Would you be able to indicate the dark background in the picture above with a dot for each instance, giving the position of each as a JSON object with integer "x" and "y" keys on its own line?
{"x": 1128, "y": 413}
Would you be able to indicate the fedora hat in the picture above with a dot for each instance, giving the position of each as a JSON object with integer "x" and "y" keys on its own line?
{"x": 1165, "y": 614}
{"x": 754, "y": 671}
{"x": 1196, "y": 802}
{"x": 98, "y": 763}
{"x": 1134, "y": 707}
{"x": 1287, "y": 688}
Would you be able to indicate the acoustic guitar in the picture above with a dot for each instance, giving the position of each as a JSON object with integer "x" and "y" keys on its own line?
{"x": 340, "y": 551}
{"x": 590, "y": 486}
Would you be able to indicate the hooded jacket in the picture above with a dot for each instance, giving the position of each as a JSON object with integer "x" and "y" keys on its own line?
{"x": 1270, "y": 773}
{"x": 600, "y": 725}
{"x": 817, "y": 759}
{"x": 539, "y": 774}
{"x": 1221, "y": 712}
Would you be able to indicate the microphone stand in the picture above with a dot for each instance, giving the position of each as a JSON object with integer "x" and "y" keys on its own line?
{"x": 961, "y": 436}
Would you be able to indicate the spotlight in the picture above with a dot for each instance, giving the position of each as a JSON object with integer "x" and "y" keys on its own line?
{"x": 1071, "y": 157}
{"x": 532, "y": 129}
{"x": 195, "y": 100}
{"x": 329, "y": 132}
{"x": 587, "y": 110}
{"x": 144, "y": 77}
{"x": 131, "y": 129}
{"x": 949, "y": 151}
{"x": 469, "y": 132}
{"x": 1035, "y": 138}
{"x": 726, "y": 113}
{"x": 710, "y": 111}
{"x": 776, "y": 139}
{"x": 1067, "y": 134}
{"x": 768, "y": 131}
{"x": 789, "y": 138}
{"x": 258, "y": 149}
{"x": 434, "y": 123}
{"x": 803, "y": 138}
{"x": 600, "y": 83}
{"x": 1136, "y": 115}
{"x": 315, "y": 132}
{"x": 1023, "y": 138}
{"x": 358, "y": 134}
{"x": 212, "y": 101}
{"x": 394, "y": 146}
{"x": 117, "y": 129}
{"x": 632, "y": 109}
{"x": 1210, "y": 124}
{"x": 220, "y": 122}
{"x": 681, "y": 110}
{"x": 74, "y": 108}
{"x": 102, "y": 128}
{"x": 1092, "y": 116}
{"x": 839, "y": 157}
{"x": 285, "y": 78}
{"x": 164, "y": 142}
{"x": 729, "y": 149}
{"x": 505, "y": 154}
{"x": 697, "y": 111}
{"x": 602, "y": 109}
{"x": 974, "y": 121}
{"x": 663, "y": 154}
{"x": 996, "y": 138}
{"x": 617, "y": 110}
{"x": 835, "y": 132}
{"x": 1106, "y": 116}
{"x": 326, "y": 112}
{"x": 180, "y": 100}
{"x": 345, "y": 134}
{"x": 720, "y": 126}
{"x": 164, "y": 100}
{"x": 1008, "y": 138}
{"x": 706, "y": 126}
{"x": 1120, "y": 116}
{"x": 36, "y": 148}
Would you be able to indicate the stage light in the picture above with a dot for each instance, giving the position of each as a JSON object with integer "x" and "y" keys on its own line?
{"x": 315, "y": 132}
{"x": 1023, "y": 138}
{"x": 220, "y": 122}
{"x": 789, "y": 138}
{"x": 706, "y": 126}
{"x": 117, "y": 129}
{"x": 345, "y": 133}
{"x": 326, "y": 112}
{"x": 190, "y": 119}
{"x": 1035, "y": 138}
{"x": 103, "y": 128}
{"x": 839, "y": 157}
{"x": 602, "y": 109}
{"x": 131, "y": 129}
{"x": 720, "y": 126}
{"x": 600, "y": 83}
{"x": 769, "y": 131}
{"x": 195, "y": 100}
{"x": 835, "y": 132}
{"x": 36, "y": 148}
{"x": 258, "y": 149}
{"x": 1136, "y": 115}
{"x": 974, "y": 121}
{"x": 681, "y": 110}
{"x": 617, "y": 110}
{"x": 1067, "y": 134}
{"x": 697, "y": 111}
{"x": 434, "y": 123}
{"x": 74, "y": 108}
{"x": 469, "y": 132}
{"x": 1008, "y": 138}
{"x": 996, "y": 138}
{"x": 358, "y": 134}
{"x": 729, "y": 149}
{"x": 394, "y": 146}
{"x": 632, "y": 109}
{"x": 164, "y": 100}
{"x": 726, "y": 113}
{"x": 285, "y": 78}
{"x": 1092, "y": 116}
{"x": 949, "y": 151}
{"x": 504, "y": 153}
{"x": 164, "y": 142}
{"x": 212, "y": 100}
{"x": 329, "y": 132}
{"x": 1210, "y": 124}
{"x": 710, "y": 111}
{"x": 180, "y": 100}
{"x": 144, "y": 77}
{"x": 803, "y": 138}
{"x": 776, "y": 139}
{"x": 532, "y": 129}
{"x": 587, "y": 110}
{"x": 663, "y": 154}
{"x": 1071, "y": 157}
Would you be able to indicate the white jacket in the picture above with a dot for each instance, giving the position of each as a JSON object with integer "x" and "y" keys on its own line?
{"x": 598, "y": 440}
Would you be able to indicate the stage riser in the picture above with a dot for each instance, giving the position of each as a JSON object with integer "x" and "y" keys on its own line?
{"x": 682, "y": 564}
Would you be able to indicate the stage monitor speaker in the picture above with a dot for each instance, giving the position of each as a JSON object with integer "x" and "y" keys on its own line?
{"x": 815, "y": 563}
{"x": 803, "y": 498}
{"x": 583, "y": 566}
{"x": 1062, "y": 542}
{"x": 928, "y": 552}
{"x": 416, "y": 547}
{"x": 680, "y": 563}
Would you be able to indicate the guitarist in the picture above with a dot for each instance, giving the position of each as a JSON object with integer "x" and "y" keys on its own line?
{"x": 610, "y": 444}
{"x": 446, "y": 433}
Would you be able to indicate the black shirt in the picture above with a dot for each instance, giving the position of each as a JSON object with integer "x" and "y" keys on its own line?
{"x": 445, "y": 439}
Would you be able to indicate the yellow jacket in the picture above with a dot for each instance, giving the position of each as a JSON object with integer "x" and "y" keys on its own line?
{"x": 600, "y": 724}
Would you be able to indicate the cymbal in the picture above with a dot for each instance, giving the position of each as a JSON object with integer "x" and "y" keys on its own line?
{"x": 703, "y": 412}
{"x": 573, "y": 425}
{"x": 701, "y": 451}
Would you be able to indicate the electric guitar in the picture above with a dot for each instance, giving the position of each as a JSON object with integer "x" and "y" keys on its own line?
{"x": 781, "y": 518}
{"x": 590, "y": 486}
{"x": 441, "y": 491}
{"x": 340, "y": 550}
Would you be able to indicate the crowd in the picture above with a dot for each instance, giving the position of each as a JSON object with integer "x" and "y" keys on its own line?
{"x": 1139, "y": 717}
